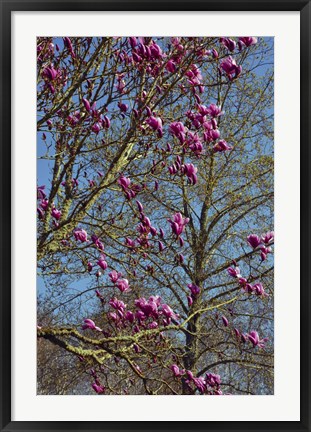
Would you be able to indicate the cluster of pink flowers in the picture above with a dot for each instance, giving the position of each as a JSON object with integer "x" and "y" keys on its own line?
{"x": 177, "y": 56}
{"x": 80, "y": 235}
{"x": 149, "y": 314}
{"x": 146, "y": 54}
{"x": 96, "y": 385}
{"x": 90, "y": 325}
{"x": 45, "y": 50}
{"x": 252, "y": 337}
{"x": 156, "y": 124}
{"x": 43, "y": 206}
{"x": 247, "y": 41}
{"x": 195, "y": 291}
{"x": 231, "y": 45}
{"x": 206, "y": 118}
{"x": 121, "y": 283}
{"x": 120, "y": 86}
{"x": 178, "y": 224}
{"x": 194, "y": 143}
{"x": 209, "y": 385}
{"x": 195, "y": 78}
{"x": 257, "y": 288}
{"x": 102, "y": 262}
{"x": 230, "y": 68}
{"x": 97, "y": 242}
{"x": 68, "y": 45}
{"x": 98, "y": 121}
{"x": 178, "y": 130}
{"x": 123, "y": 107}
{"x": 130, "y": 190}
{"x": 54, "y": 78}
{"x": 90, "y": 116}
{"x": 188, "y": 169}
{"x": 262, "y": 242}
{"x": 145, "y": 229}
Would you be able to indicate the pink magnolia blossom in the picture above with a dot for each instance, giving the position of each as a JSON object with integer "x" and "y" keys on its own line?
{"x": 86, "y": 104}
{"x": 225, "y": 321}
{"x": 56, "y": 213}
{"x": 150, "y": 307}
{"x": 68, "y": 45}
{"x": 221, "y": 146}
{"x": 96, "y": 127}
{"x": 248, "y": 40}
{"x": 229, "y": 66}
{"x": 97, "y": 242}
{"x": 40, "y": 213}
{"x": 102, "y": 263}
{"x": 213, "y": 380}
{"x": 237, "y": 333}
{"x": 178, "y": 130}
{"x": 81, "y": 235}
{"x": 254, "y": 240}
{"x": 170, "y": 66}
{"x": 214, "y": 111}
{"x": 176, "y": 371}
{"x": 124, "y": 182}
{"x": 114, "y": 276}
{"x": 40, "y": 192}
{"x": 133, "y": 41}
{"x": 140, "y": 206}
{"x": 247, "y": 287}
{"x": 44, "y": 204}
{"x": 178, "y": 223}
{"x": 161, "y": 246}
{"x": 191, "y": 171}
{"x": 259, "y": 290}
{"x": 155, "y": 51}
{"x": 253, "y": 337}
{"x": 118, "y": 305}
{"x": 153, "y": 325}
{"x": 156, "y": 124}
{"x": 168, "y": 312}
{"x": 234, "y": 272}
{"x": 89, "y": 324}
{"x": 123, "y": 107}
{"x": 123, "y": 285}
{"x": 200, "y": 384}
{"x": 194, "y": 74}
{"x": 129, "y": 316}
{"x": 51, "y": 73}
{"x": 195, "y": 290}
{"x": 228, "y": 43}
{"x": 98, "y": 388}
{"x": 129, "y": 242}
{"x": 215, "y": 53}
{"x": 268, "y": 237}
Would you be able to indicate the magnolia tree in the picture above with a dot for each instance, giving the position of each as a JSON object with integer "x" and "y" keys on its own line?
{"x": 155, "y": 213}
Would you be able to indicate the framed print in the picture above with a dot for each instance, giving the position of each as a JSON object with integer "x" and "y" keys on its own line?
{"x": 154, "y": 185}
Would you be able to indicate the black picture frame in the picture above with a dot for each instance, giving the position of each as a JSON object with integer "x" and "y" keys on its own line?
{"x": 7, "y": 7}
